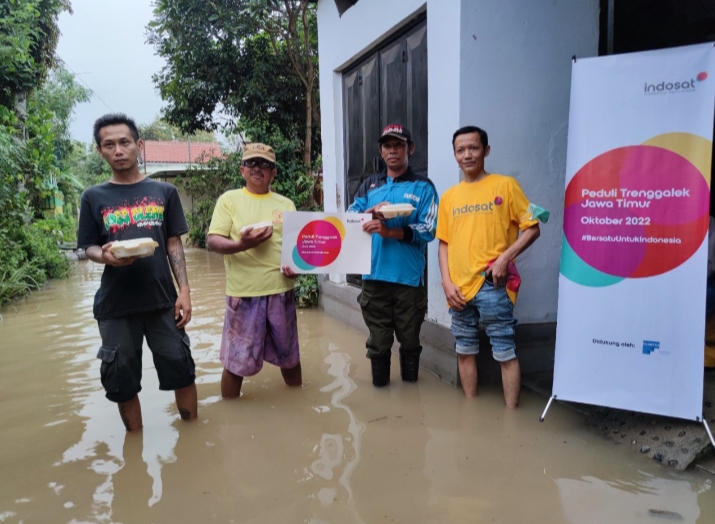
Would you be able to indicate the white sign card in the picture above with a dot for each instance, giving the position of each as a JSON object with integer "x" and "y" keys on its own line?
{"x": 322, "y": 243}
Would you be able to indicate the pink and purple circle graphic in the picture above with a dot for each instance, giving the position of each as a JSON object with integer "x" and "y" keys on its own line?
{"x": 318, "y": 243}
{"x": 633, "y": 212}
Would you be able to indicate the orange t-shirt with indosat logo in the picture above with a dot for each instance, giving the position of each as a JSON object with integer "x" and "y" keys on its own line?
{"x": 479, "y": 221}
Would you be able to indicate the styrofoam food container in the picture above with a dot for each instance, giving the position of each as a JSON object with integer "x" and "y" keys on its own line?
{"x": 136, "y": 247}
{"x": 257, "y": 226}
{"x": 396, "y": 210}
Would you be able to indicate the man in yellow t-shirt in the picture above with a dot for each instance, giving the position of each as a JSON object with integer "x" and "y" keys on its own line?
{"x": 261, "y": 321}
{"x": 478, "y": 230}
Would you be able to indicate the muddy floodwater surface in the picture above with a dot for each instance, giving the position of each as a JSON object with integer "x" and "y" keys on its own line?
{"x": 336, "y": 450}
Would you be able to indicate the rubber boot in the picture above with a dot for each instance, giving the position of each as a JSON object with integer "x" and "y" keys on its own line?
{"x": 409, "y": 367}
{"x": 380, "y": 371}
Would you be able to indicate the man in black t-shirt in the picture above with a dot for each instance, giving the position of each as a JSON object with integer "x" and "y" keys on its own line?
{"x": 137, "y": 297}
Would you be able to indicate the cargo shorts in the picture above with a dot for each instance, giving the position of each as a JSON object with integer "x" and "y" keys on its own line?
{"x": 121, "y": 353}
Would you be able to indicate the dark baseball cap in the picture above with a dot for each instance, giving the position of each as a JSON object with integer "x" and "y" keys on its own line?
{"x": 396, "y": 131}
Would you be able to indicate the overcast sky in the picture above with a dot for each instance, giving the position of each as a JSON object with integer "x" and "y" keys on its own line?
{"x": 103, "y": 42}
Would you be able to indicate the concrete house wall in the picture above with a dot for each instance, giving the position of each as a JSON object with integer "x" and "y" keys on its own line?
{"x": 504, "y": 66}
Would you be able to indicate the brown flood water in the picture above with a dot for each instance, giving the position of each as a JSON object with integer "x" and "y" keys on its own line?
{"x": 335, "y": 451}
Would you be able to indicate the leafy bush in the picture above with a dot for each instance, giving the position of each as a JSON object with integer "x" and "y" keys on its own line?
{"x": 205, "y": 184}
{"x": 29, "y": 253}
{"x": 42, "y": 241}
{"x": 306, "y": 290}
{"x": 199, "y": 220}
{"x": 64, "y": 224}
{"x": 17, "y": 283}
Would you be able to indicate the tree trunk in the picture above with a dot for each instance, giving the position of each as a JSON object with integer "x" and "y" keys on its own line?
{"x": 308, "y": 129}
{"x": 21, "y": 112}
{"x": 308, "y": 149}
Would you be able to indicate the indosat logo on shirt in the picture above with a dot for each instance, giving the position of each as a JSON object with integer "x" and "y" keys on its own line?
{"x": 477, "y": 208}
{"x": 683, "y": 86}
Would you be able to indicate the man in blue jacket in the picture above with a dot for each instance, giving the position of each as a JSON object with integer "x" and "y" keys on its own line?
{"x": 393, "y": 298}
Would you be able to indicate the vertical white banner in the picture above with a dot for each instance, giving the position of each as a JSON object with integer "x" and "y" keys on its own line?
{"x": 631, "y": 316}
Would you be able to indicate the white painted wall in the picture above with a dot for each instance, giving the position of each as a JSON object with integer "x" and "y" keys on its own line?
{"x": 444, "y": 70}
{"x": 515, "y": 84}
{"x": 502, "y": 65}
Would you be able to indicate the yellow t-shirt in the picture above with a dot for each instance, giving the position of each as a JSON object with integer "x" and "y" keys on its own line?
{"x": 479, "y": 221}
{"x": 255, "y": 272}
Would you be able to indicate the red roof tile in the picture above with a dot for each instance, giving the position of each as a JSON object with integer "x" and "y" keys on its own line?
{"x": 178, "y": 152}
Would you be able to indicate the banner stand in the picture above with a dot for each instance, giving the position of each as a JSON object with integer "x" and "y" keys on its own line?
{"x": 704, "y": 420}
{"x": 548, "y": 405}
{"x": 635, "y": 228}
{"x": 710, "y": 433}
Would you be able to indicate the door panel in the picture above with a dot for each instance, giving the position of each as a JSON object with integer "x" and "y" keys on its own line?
{"x": 389, "y": 86}
{"x": 393, "y": 84}
{"x": 371, "y": 115}
{"x": 416, "y": 96}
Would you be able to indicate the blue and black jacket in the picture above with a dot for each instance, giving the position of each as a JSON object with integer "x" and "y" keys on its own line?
{"x": 400, "y": 261}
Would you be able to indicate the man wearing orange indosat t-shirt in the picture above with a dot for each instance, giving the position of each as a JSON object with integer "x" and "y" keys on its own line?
{"x": 261, "y": 322}
{"x": 478, "y": 231}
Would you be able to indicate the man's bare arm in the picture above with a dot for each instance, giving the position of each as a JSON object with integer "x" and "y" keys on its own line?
{"x": 249, "y": 239}
{"x": 177, "y": 261}
{"x": 102, "y": 255}
{"x": 454, "y": 297}
{"x": 498, "y": 270}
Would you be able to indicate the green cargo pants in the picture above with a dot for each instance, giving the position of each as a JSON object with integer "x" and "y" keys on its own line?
{"x": 392, "y": 310}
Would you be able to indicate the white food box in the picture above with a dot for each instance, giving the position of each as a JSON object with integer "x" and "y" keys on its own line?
{"x": 137, "y": 247}
{"x": 396, "y": 210}
{"x": 257, "y": 226}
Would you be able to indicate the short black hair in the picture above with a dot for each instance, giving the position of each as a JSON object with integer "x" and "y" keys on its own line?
{"x": 114, "y": 119}
{"x": 466, "y": 130}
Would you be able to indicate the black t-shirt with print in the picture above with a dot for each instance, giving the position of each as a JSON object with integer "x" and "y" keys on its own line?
{"x": 112, "y": 212}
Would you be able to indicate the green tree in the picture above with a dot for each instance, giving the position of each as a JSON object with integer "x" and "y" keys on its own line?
{"x": 56, "y": 99}
{"x": 88, "y": 166}
{"x": 28, "y": 39}
{"x": 160, "y": 129}
{"x": 61, "y": 93}
{"x": 254, "y": 61}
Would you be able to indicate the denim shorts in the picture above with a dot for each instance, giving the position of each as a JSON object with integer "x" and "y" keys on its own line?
{"x": 493, "y": 308}
{"x": 258, "y": 329}
{"x": 121, "y": 353}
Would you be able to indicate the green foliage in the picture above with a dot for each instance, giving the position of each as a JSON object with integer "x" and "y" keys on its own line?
{"x": 205, "y": 183}
{"x": 35, "y": 159}
{"x": 17, "y": 283}
{"x": 39, "y": 166}
{"x": 63, "y": 227}
{"x": 250, "y": 67}
{"x": 244, "y": 59}
{"x": 28, "y": 39}
{"x": 209, "y": 181}
{"x": 14, "y": 205}
{"x": 87, "y": 166}
{"x": 306, "y": 290}
{"x": 160, "y": 129}
{"x": 42, "y": 240}
{"x": 291, "y": 181}
{"x": 61, "y": 94}
{"x": 55, "y": 102}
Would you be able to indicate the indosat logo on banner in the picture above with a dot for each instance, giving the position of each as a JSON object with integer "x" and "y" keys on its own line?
{"x": 627, "y": 216}
{"x": 664, "y": 87}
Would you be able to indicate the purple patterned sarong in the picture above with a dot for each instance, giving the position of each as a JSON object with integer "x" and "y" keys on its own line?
{"x": 257, "y": 329}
